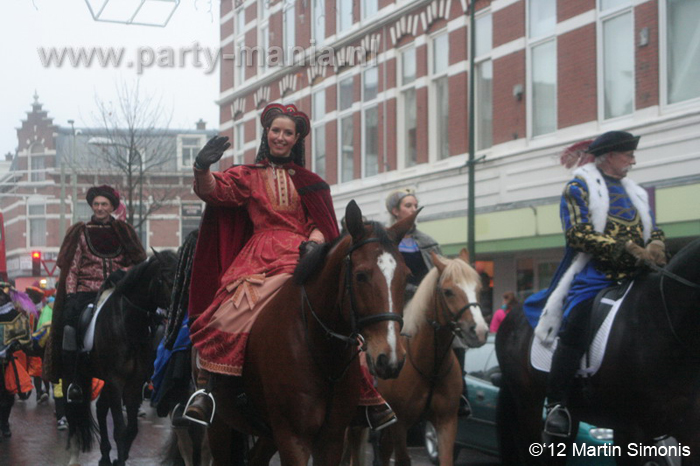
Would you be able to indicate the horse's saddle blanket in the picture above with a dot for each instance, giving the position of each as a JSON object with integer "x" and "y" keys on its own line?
{"x": 89, "y": 336}
{"x": 605, "y": 308}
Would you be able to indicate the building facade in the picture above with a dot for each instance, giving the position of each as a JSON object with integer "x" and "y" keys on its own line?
{"x": 55, "y": 166}
{"x": 386, "y": 84}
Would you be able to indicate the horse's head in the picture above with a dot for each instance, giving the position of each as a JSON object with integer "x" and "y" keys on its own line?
{"x": 447, "y": 297}
{"x": 162, "y": 272}
{"x": 375, "y": 278}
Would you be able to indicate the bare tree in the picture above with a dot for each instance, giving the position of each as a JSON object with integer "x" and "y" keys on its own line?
{"x": 136, "y": 150}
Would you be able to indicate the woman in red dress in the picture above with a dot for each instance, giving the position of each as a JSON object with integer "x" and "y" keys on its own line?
{"x": 258, "y": 219}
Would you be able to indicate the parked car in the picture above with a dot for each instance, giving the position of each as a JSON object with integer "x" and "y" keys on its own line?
{"x": 478, "y": 432}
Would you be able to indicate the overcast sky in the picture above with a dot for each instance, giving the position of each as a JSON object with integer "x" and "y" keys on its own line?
{"x": 69, "y": 92}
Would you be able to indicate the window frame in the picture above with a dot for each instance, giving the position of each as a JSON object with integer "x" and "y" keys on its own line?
{"x": 480, "y": 60}
{"x": 180, "y": 147}
{"x": 434, "y": 138}
{"x": 348, "y": 112}
{"x": 403, "y": 89}
{"x": 287, "y": 6}
{"x": 36, "y": 217}
{"x": 602, "y": 17}
{"x": 530, "y": 45}
{"x": 369, "y": 105}
{"x": 318, "y": 125}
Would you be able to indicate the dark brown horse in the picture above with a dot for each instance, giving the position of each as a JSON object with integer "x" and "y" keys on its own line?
{"x": 444, "y": 307}
{"x": 302, "y": 370}
{"x": 647, "y": 386}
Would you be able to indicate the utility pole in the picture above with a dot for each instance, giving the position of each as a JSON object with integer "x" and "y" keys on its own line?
{"x": 62, "y": 221}
{"x": 471, "y": 217}
{"x": 75, "y": 176}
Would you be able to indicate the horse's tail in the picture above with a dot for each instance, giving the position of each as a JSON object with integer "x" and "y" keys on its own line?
{"x": 81, "y": 424}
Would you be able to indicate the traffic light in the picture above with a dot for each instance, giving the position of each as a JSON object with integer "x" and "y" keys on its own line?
{"x": 36, "y": 263}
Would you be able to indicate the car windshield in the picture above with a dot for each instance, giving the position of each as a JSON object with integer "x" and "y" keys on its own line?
{"x": 482, "y": 362}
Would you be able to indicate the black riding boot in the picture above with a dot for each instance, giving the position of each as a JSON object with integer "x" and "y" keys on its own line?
{"x": 72, "y": 391}
{"x": 6, "y": 402}
{"x": 565, "y": 364}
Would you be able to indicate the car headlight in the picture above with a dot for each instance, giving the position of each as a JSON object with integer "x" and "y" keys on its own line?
{"x": 600, "y": 433}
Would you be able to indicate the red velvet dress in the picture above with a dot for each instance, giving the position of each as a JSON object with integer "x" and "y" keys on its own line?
{"x": 280, "y": 224}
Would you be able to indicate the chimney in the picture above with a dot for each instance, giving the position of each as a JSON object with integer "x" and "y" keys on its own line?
{"x": 201, "y": 125}
{"x": 8, "y": 157}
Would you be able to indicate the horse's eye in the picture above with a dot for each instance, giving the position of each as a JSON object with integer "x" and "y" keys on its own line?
{"x": 448, "y": 293}
{"x": 362, "y": 277}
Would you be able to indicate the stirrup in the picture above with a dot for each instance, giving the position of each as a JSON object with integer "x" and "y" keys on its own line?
{"x": 76, "y": 391}
{"x": 558, "y": 410}
{"x": 205, "y": 393}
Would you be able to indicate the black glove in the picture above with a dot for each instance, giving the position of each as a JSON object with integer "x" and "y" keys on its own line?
{"x": 306, "y": 247}
{"x": 211, "y": 152}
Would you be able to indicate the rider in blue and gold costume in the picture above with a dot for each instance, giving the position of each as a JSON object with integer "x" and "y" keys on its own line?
{"x": 609, "y": 229}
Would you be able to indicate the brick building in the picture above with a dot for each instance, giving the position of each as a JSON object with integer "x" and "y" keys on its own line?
{"x": 31, "y": 189}
{"x": 548, "y": 73}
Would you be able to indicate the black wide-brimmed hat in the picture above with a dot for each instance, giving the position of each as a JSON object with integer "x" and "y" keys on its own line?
{"x": 613, "y": 141}
{"x": 105, "y": 191}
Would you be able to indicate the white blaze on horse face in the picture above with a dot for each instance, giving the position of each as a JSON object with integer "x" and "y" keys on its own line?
{"x": 387, "y": 264}
{"x": 481, "y": 327}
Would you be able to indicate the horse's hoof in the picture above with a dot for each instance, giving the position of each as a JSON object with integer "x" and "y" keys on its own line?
{"x": 105, "y": 462}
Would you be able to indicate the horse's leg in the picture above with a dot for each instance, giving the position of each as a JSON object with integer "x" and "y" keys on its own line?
{"x": 229, "y": 446}
{"x": 115, "y": 406}
{"x": 132, "y": 428}
{"x": 74, "y": 449}
{"x": 398, "y": 436}
{"x": 295, "y": 451}
{"x": 519, "y": 425}
{"x": 386, "y": 445}
{"x": 262, "y": 452}
{"x": 354, "y": 451}
{"x": 184, "y": 444}
{"x": 446, "y": 428}
{"x": 101, "y": 408}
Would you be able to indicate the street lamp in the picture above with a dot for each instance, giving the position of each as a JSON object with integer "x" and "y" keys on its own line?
{"x": 99, "y": 141}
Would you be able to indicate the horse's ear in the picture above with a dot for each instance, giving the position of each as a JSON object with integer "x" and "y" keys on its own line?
{"x": 155, "y": 253}
{"x": 353, "y": 220}
{"x": 399, "y": 229}
{"x": 464, "y": 255}
{"x": 438, "y": 262}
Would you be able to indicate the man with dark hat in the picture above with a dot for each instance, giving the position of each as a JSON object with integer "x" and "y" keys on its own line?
{"x": 610, "y": 230}
{"x": 90, "y": 253}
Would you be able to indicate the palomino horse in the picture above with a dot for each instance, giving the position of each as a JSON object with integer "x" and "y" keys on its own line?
{"x": 302, "y": 371}
{"x": 122, "y": 356}
{"x": 647, "y": 385}
{"x": 444, "y": 307}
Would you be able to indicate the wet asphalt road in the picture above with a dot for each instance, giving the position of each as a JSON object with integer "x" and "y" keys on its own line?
{"x": 36, "y": 441}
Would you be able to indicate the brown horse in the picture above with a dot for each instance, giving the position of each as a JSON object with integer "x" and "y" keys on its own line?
{"x": 444, "y": 307}
{"x": 302, "y": 372}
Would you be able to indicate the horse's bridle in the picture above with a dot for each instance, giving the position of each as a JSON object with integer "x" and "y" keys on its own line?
{"x": 452, "y": 318}
{"x": 356, "y": 324}
{"x": 677, "y": 278}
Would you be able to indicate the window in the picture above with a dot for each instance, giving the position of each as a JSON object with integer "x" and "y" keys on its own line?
{"x": 484, "y": 82}
{"x": 83, "y": 212}
{"x": 369, "y": 8}
{"x": 439, "y": 88}
{"x": 370, "y": 118}
{"x": 240, "y": 21}
{"x": 263, "y": 9}
{"x": 346, "y": 129}
{"x": 318, "y": 28}
{"x": 618, "y": 59}
{"x": 344, "y": 14}
{"x": 38, "y": 168}
{"x": 189, "y": 148}
{"x": 407, "y": 106}
{"x": 682, "y": 50}
{"x": 238, "y": 142}
{"x": 37, "y": 162}
{"x": 264, "y": 42}
{"x": 191, "y": 214}
{"x": 289, "y": 38}
{"x": 240, "y": 62}
{"x": 542, "y": 47}
{"x": 37, "y": 224}
{"x": 319, "y": 133}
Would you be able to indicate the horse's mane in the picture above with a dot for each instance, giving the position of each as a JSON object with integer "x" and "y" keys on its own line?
{"x": 136, "y": 274}
{"x": 414, "y": 312}
{"x": 312, "y": 262}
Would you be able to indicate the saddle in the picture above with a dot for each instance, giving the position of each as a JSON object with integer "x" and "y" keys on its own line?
{"x": 605, "y": 307}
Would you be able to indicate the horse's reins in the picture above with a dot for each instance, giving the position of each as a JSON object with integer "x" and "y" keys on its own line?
{"x": 452, "y": 320}
{"x": 667, "y": 273}
{"x": 356, "y": 324}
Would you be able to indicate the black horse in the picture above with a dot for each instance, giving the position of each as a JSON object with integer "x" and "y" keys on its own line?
{"x": 122, "y": 356}
{"x": 647, "y": 386}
